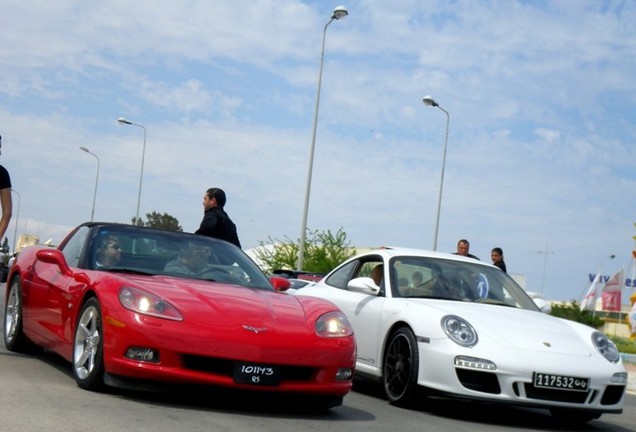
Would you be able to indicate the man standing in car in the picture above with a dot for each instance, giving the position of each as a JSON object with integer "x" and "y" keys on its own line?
{"x": 216, "y": 222}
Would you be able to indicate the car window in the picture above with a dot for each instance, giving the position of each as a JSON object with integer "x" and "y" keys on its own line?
{"x": 354, "y": 269}
{"x": 72, "y": 249}
{"x": 341, "y": 277}
{"x": 455, "y": 280}
{"x": 157, "y": 252}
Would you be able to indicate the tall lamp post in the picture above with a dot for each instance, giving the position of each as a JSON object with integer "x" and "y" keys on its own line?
{"x": 84, "y": 149}
{"x": 428, "y": 100}
{"x": 338, "y": 13}
{"x": 17, "y": 220}
{"x": 143, "y": 153}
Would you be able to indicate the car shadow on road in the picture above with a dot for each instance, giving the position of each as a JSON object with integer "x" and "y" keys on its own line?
{"x": 507, "y": 416}
{"x": 212, "y": 399}
{"x": 291, "y": 406}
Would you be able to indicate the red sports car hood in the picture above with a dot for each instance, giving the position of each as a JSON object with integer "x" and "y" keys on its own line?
{"x": 227, "y": 306}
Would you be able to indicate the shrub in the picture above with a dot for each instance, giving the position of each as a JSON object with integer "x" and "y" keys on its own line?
{"x": 572, "y": 311}
{"x": 625, "y": 345}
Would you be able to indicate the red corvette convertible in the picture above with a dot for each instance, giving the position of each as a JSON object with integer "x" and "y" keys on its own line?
{"x": 130, "y": 306}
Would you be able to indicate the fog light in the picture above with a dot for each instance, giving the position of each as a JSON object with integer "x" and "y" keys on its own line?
{"x": 474, "y": 363}
{"x": 142, "y": 354}
{"x": 344, "y": 374}
{"x": 619, "y": 378}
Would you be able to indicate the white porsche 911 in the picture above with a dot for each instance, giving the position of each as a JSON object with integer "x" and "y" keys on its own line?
{"x": 459, "y": 327}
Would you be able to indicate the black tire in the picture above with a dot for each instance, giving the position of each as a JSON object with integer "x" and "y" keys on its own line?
{"x": 400, "y": 368}
{"x": 14, "y": 338}
{"x": 88, "y": 347}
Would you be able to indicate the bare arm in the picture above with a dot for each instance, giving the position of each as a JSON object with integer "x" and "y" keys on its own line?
{"x": 7, "y": 208}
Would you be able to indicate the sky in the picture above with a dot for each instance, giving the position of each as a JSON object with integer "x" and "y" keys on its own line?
{"x": 540, "y": 96}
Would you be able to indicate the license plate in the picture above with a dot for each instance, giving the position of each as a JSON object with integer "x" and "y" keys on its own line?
{"x": 561, "y": 382}
{"x": 257, "y": 374}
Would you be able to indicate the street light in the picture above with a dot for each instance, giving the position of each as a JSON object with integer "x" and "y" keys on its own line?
{"x": 338, "y": 13}
{"x": 143, "y": 153}
{"x": 429, "y": 101}
{"x": 17, "y": 219}
{"x": 96, "y": 180}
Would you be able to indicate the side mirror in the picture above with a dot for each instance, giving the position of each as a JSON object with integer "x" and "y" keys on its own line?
{"x": 55, "y": 257}
{"x": 280, "y": 284}
{"x": 364, "y": 285}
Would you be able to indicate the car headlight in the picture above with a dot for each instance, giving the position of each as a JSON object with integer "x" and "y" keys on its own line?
{"x": 333, "y": 324}
{"x": 145, "y": 303}
{"x": 605, "y": 347}
{"x": 459, "y": 331}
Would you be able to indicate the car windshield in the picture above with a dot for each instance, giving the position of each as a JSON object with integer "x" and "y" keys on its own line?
{"x": 420, "y": 277}
{"x": 136, "y": 250}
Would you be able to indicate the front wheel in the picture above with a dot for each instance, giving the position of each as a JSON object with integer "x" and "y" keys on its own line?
{"x": 14, "y": 338}
{"x": 400, "y": 368}
{"x": 88, "y": 347}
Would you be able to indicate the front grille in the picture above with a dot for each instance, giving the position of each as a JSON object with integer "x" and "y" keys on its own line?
{"x": 556, "y": 395}
{"x": 612, "y": 395}
{"x": 225, "y": 367}
{"x": 480, "y": 381}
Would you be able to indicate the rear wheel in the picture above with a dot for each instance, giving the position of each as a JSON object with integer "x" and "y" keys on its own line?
{"x": 400, "y": 368}
{"x": 14, "y": 338}
{"x": 88, "y": 347}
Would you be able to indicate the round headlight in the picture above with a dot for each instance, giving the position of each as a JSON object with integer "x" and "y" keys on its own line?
{"x": 459, "y": 331}
{"x": 605, "y": 346}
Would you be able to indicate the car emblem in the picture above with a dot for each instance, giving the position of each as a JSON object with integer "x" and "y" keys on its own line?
{"x": 547, "y": 344}
{"x": 256, "y": 330}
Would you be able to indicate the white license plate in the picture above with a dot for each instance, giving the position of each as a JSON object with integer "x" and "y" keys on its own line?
{"x": 257, "y": 374}
{"x": 560, "y": 382}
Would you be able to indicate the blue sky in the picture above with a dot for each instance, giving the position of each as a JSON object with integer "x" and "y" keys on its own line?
{"x": 540, "y": 96}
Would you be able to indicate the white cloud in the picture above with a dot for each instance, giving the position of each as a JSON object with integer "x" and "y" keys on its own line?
{"x": 539, "y": 96}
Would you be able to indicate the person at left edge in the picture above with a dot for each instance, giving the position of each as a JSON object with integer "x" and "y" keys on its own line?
{"x": 5, "y": 197}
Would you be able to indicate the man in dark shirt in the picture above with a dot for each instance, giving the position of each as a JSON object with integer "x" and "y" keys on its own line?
{"x": 216, "y": 222}
{"x": 498, "y": 259}
{"x": 463, "y": 248}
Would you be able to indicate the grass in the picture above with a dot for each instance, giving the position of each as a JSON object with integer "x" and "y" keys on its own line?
{"x": 625, "y": 345}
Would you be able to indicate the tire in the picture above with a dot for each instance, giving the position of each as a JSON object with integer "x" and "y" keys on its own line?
{"x": 14, "y": 338}
{"x": 400, "y": 368}
{"x": 88, "y": 347}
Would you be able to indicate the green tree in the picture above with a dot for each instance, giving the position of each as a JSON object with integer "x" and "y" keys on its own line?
{"x": 573, "y": 312}
{"x": 160, "y": 221}
{"x": 323, "y": 251}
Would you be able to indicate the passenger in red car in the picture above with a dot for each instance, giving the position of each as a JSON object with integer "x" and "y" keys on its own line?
{"x": 193, "y": 260}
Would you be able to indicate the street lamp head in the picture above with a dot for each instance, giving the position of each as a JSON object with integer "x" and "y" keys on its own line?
{"x": 84, "y": 149}
{"x": 429, "y": 101}
{"x": 339, "y": 12}
{"x": 124, "y": 121}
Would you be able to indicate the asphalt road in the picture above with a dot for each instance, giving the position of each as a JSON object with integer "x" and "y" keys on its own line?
{"x": 38, "y": 393}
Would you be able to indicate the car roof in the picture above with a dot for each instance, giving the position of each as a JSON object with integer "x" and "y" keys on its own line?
{"x": 393, "y": 251}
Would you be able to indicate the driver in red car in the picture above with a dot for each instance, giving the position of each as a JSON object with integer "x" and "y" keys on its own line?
{"x": 109, "y": 253}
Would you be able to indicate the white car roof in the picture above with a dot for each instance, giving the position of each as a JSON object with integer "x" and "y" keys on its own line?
{"x": 392, "y": 251}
